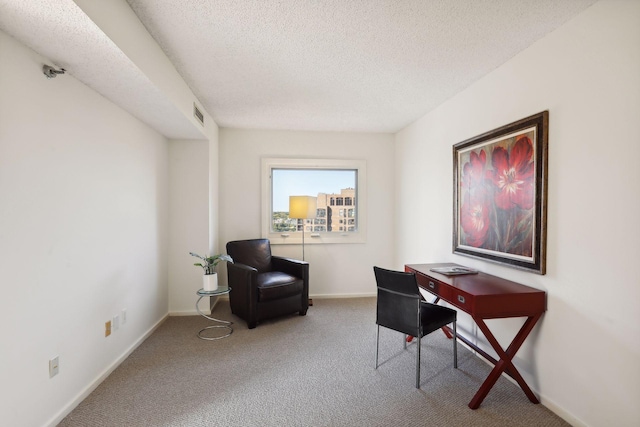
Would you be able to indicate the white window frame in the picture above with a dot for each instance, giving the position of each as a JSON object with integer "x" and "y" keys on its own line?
{"x": 293, "y": 237}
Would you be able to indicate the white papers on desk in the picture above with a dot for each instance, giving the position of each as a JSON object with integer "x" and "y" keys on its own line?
{"x": 454, "y": 271}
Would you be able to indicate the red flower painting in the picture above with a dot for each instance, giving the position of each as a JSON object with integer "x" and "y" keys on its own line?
{"x": 513, "y": 175}
{"x": 475, "y": 220}
{"x": 497, "y": 200}
{"x": 475, "y": 209}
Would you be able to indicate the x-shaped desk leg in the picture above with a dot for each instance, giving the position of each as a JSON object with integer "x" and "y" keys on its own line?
{"x": 505, "y": 360}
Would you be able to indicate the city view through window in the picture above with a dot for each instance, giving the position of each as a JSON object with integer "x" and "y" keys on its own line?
{"x": 336, "y": 195}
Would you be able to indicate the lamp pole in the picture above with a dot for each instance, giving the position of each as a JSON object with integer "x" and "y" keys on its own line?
{"x": 303, "y": 220}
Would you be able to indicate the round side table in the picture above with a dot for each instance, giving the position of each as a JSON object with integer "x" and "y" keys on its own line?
{"x": 222, "y": 290}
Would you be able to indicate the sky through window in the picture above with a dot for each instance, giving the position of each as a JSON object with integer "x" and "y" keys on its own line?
{"x": 308, "y": 182}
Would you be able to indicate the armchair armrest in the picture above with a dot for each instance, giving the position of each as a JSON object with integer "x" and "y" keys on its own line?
{"x": 244, "y": 289}
{"x": 242, "y": 269}
{"x": 295, "y": 268}
{"x": 290, "y": 266}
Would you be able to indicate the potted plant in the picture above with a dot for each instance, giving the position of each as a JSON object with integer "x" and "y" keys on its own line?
{"x": 210, "y": 278}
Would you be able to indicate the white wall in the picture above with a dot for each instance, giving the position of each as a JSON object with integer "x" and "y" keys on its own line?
{"x": 583, "y": 356}
{"x": 335, "y": 269}
{"x": 194, "y": 179}
{"x": 189, "y": 219}
{"x": 83, "y": 235}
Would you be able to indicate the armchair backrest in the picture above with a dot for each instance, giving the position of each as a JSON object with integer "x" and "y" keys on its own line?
{"x": 398, "y": 305}
{"x": 255, "y": 253}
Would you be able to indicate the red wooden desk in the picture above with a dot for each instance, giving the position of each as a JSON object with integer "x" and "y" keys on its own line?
{"x": 484, "y": 296}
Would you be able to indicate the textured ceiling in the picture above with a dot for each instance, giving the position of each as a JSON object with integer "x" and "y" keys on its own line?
{"x": 61, "y": 31}
{"x": 337, "y": 65}
{"x": 368, "y": 65}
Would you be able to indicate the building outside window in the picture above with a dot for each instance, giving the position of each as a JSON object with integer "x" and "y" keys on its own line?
{"x": 334, "y": 183}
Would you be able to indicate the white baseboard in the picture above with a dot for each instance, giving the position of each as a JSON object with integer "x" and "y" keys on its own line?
{"x": 549, "y": 404}
{"x": 336, "y": 296}
{"x": 316, "y": 296}
{"x": 96, "y": 382}
{"x": 546, "y": 402}
{"x": 194, "y": 312}
{"x": 185, "y": 313}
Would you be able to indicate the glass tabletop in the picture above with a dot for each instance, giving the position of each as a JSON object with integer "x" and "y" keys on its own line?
{"x": 220, "y": 291}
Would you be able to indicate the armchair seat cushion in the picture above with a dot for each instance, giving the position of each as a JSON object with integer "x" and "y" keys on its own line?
{"x": 275, "y": 285}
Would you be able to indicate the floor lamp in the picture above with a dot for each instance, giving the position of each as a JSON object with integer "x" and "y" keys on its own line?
{"x": 302, "y": 207}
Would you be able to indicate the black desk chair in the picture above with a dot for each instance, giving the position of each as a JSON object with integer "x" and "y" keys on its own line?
{"x": 401, "y": 308}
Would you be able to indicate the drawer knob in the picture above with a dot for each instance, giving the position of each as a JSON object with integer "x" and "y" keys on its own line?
{"x": 432, "y": 285}
{"x": 461, "y": 299}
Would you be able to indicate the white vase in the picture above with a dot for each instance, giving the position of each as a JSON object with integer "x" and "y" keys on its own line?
{"x": 210, "y": 282}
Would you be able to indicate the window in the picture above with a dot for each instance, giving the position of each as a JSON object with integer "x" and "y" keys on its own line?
{"x": 332, "y": 182}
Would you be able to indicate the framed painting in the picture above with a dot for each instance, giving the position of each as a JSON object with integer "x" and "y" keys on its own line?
{"x": 500, "y": 195}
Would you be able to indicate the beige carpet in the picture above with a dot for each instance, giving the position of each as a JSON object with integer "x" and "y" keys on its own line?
{"x": 316, "y": 370}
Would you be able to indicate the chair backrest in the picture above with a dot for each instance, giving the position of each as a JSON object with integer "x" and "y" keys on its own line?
{"x": 398, "y": 305}
{"x": 255, "y": 253}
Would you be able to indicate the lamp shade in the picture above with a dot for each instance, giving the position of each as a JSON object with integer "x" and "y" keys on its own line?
{"x": 302, "y": 207}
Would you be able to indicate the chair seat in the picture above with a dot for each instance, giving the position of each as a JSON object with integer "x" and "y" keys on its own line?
{"x": 275, "y": 285}
{"x": 434, "y": 316}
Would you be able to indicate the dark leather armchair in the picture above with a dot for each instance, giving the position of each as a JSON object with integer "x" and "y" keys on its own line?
{"x": 400, "y": 307}
{"x": 265, "y": 286}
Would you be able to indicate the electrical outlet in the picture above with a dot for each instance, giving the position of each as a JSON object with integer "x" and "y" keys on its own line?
{"x": 124, "y": 316}
{"x": 107, "y": 328}
{"x": 116, "y": 322}
{"x": 54, "y": 367}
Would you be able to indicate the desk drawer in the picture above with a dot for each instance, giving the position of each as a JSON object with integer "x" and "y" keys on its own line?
{"x": 461, "y": 300}
{"x": 435, "y": 287}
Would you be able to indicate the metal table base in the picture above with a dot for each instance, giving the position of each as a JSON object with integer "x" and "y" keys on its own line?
{"x": 225, "y": 325}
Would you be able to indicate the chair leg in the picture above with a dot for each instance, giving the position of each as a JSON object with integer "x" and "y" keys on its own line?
{"x": 377, "y": 344}
{"x": 418, "y": 364}
{"x": 455, "y": 346}
{"x": 404, "y": 340}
